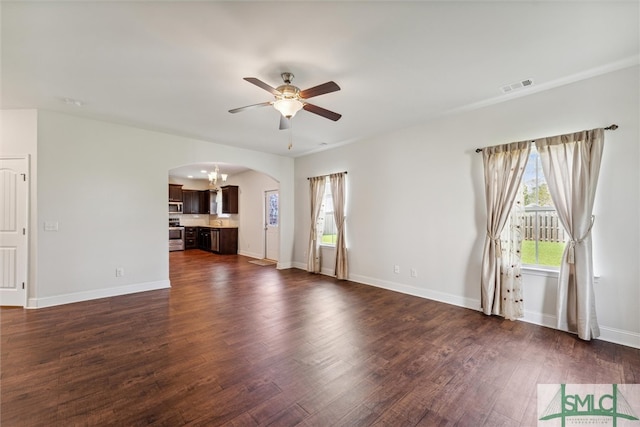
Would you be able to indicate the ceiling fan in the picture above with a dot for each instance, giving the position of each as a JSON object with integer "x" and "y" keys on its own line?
{"x": 289, "y": 99}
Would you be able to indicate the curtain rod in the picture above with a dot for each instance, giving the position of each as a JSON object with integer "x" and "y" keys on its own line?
{"x": 319, "y": 176}
{"x": 612, "y": 127}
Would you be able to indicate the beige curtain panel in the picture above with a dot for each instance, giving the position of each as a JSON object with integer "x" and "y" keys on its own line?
{"x": 316, "y": 186}
{"x": 337, "y": 181}
{"x": 503, "y": 169}
{"x": 571, "y": 165}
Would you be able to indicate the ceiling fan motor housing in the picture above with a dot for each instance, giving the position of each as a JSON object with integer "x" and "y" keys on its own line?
{"x": 288, "y": 91}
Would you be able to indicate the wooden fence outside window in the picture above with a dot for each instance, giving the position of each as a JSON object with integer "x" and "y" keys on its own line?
{"x": 548, "y": 224}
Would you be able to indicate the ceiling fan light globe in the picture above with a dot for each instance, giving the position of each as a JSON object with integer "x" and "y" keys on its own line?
{"x": 288, "y": 107}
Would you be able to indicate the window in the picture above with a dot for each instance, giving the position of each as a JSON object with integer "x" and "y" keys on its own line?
{"x": 273, "y": 210}
{"x": 326, "y": 220}
{"x": 544, "y": 237}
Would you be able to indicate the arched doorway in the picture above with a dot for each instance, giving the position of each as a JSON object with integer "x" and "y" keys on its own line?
{"x": 250, "y": 217}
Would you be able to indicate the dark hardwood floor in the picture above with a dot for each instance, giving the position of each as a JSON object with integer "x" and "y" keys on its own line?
{"x": 236, "y": 344}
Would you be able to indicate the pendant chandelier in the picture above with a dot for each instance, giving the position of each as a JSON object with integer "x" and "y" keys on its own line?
{"x": 213, "y": 177}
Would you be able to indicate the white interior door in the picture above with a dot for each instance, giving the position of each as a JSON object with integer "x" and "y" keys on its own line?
{"x": 272, "y": 224}
{"x": 13, "y": 230}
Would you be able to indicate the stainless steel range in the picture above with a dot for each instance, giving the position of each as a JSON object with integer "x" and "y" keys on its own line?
{"x": 176, "y": 235}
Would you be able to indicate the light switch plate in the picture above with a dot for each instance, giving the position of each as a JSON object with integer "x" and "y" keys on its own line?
{"x": 51, "y": 226}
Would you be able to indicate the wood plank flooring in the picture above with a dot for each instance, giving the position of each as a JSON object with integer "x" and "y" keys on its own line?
{"x": 236, "y": 344}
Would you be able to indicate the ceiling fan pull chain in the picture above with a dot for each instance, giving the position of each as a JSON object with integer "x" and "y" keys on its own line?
{"x": 290, "y": 134}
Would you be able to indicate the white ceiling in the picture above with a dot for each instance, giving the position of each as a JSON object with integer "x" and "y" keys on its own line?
{"x": 178, "y": 66}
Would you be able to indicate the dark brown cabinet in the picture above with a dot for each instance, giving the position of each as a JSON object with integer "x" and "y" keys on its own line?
{"x": 219, "y": 240}
{"x": 190, "y": 202}
{"x": 199, "y": 202}
{"x": 190, "y": 237}
{"x": 228, "y": 241}
{"x": 208, "y": 204}
{"x": 175, "y": 192}
{"x": 204, "y": 238}
{"x": 230, "y": 199}
{"x": 203, "y": 201}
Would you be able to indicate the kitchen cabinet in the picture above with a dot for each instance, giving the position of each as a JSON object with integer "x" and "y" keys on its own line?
{"x": 228, "y": 241}
{"x": 204, "y": 238}
{"x": 208, "y": 204}
{"x": 175, "y": 192}
{"x": 190, "y": 202}
{"x": 190, "y": 237}
{"x": 198, "y": 201}
{"x": 203, "y": 202}
{"x": 222, "y": 240}
{"x": 230, "y": 199}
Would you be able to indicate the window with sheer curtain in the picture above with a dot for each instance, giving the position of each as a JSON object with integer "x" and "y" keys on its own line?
{"x": 567, "y": 168}
{"x": 326, "y": 221}
{"x": 543, "y": 236}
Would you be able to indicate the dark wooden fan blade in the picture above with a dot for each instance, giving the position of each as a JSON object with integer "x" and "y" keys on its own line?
{"x": 284, "y": 123}
{"x": 327, "y": 87}
{"x": 262, "y": 85}
{"x": 322, "y": 112}
{"x": 249, "y": 107}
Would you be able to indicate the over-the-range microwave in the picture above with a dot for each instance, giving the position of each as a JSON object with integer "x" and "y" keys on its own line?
{"x": 175, "y": 207}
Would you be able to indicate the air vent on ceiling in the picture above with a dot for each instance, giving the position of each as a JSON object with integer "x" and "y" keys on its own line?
{"x": 515, "y": 86}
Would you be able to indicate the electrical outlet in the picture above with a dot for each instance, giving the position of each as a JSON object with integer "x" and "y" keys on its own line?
{"x": 119, "y": 272}
{"x": 414, "y": 272}
{"x": 396, "y": 269}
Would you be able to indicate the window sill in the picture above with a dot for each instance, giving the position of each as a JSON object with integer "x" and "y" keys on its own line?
{"x": 540, "y": 271}
{"x": 547, "y": 272}
{"x": 326, "y": 245}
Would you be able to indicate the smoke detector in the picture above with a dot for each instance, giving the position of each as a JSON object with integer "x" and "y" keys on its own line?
{"x": 517, "y": 85}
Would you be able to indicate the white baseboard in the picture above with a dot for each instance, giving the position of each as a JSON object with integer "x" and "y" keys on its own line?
{"x": 613, "y": 335}
{"x": 538, "y": 318}
{"x": 96, "y": 294}
{"x": 464, "y": 302}
{"x": 299, "y": 265}
{"x": 284, "y": 265}
{"x": 251, "y": 254}
{"x": 619, "y": 336}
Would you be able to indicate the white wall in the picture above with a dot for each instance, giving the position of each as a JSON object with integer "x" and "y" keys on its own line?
{"x": 106, "y": 186}
{"x": 252, "y": 186}
{"x": 416, "y": 199}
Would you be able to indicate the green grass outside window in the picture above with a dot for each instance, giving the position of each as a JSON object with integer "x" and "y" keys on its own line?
{"x": 549, "y": 253}
{"x": 329, "y": 239}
